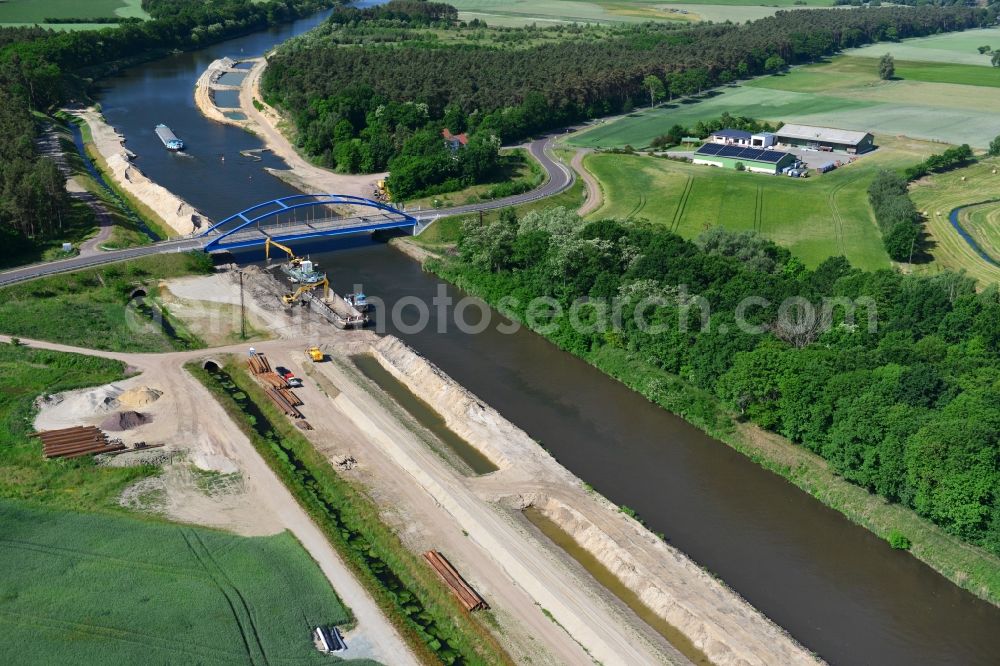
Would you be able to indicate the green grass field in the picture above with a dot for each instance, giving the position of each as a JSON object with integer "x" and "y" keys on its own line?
{"x": 983, "y": 224}
{"x": 937, "y": 195}
{"x": 82, "y": 588}
{"x": 945, "y": 102}
{"x": 953, "y": 47}
{"x": 29, "y": 12}
{"x": 815, "y": 218}
{"x": 549, "y": 12}
{"x": 91, "y": 307}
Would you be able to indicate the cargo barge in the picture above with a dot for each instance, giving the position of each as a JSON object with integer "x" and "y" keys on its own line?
{"x": 169, "y": 139}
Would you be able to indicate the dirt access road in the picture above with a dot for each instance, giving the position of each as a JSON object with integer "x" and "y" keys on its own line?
{"x": 213, "y": 434}
{"x": 206, "y": 429}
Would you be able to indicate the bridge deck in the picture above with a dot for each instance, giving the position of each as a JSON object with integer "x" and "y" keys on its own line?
{"x": 251, "y": 236}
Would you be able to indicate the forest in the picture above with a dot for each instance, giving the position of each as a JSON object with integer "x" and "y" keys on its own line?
{"x": 344, "y": 83}
{"x": 908, "y": 408}
{"x": 41, "y": 69}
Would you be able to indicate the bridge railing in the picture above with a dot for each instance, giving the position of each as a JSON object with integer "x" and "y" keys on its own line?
{"x": 272, "y": 209}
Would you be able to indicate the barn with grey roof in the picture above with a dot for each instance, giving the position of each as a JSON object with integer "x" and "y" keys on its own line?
{"x": 825, "y": 138}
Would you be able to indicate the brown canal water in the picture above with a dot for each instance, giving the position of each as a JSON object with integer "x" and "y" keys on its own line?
{"x": 425, "y": 415}
{"x": 834, "y": 586}
{"x": 605, "y": 577}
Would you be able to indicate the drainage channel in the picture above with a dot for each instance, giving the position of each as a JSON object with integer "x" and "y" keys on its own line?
{"x": 610, "y": 582}
{"x": 425, "y": 415}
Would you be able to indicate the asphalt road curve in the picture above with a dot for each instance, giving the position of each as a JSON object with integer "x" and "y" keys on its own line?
{"x": 559, "y": 177}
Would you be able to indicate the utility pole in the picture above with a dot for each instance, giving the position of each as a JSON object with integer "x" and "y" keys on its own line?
{"x": 243, "y": 311}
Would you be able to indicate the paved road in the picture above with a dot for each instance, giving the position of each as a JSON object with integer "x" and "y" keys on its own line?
{"x": 559, "y": 178}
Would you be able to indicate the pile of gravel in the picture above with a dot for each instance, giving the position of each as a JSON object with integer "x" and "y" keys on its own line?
{"x": 125, "y": 421}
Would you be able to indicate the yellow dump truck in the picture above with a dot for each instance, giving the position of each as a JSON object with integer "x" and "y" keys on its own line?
{"x": 316, "y": 354}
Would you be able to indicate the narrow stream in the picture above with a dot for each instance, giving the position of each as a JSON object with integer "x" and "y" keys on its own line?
{"x": 953, "y": 217}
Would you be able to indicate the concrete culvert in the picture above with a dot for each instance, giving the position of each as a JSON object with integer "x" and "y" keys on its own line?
{"x": 138, "y": 293}
{"x": 211, "y": 366}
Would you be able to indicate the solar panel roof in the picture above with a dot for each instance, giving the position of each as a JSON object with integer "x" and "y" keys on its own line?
{"x": 736, "y": 152}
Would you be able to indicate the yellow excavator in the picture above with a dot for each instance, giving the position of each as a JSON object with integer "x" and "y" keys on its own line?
{"x": 267, "y": 250}
{"x": 289, "y": 299}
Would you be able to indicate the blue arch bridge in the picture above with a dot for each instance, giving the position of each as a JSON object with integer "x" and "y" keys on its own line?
{"x": 303, "y": 216}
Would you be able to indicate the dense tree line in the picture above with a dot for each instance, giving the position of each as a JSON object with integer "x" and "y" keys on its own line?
{"x": 41, "y": 68}
{"x": 909, "y": 409}
{"x": 896, "y": 215}
{"x": 515, "y": 92}
{"x": 951, "y": 158}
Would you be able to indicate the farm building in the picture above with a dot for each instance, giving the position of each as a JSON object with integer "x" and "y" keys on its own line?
{"x": 825, "y": 138}
{"x": 735, "y": 137}
{"x": 752, "y": 159}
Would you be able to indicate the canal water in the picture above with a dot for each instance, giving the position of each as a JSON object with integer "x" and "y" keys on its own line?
{"x": 834, "y": 586}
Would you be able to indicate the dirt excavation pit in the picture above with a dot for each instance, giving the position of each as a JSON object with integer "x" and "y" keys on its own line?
{"x": 138, "y": 397}
{"x": 127, "y": 420}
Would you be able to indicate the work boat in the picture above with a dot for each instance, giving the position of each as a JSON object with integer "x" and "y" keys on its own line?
{"x": 302, "y": 271}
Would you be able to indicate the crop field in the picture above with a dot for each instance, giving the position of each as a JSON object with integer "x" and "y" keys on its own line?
{"x": 943, "y": 102}
{"x": 542, "y": 12}
{"x": 815, "y": 218}
{"x": 17, "y": 12}
{"x": 953, "y": 47}
{"x": 638, "y": 129}
{"x": 936, "y": 196}
{"x": 85, "y": 588}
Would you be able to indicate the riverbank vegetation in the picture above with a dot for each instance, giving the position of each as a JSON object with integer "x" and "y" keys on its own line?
{"x": 907, "y": 410}
{"x": 407, "y": 590}
{"x": 364, "y": 104}
{"x": 95, "y": 307}
{"x": 42, "y": 69}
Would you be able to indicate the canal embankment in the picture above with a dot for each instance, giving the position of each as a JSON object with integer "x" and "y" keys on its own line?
{"x": 177, "y": 216}
{"x": 712, "y": 619}
{"x": 254, "y": 115}
{"x": 804, "y": 565}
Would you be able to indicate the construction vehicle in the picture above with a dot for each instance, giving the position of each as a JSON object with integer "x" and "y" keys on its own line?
{"x": 302, "y": 271}
{"x": 290, "y": 299}
{"x": 316, "y": 354}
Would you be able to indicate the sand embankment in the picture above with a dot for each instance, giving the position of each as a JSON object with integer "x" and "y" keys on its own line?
{"x": 264, "y": 121}
{"x": 717, "y": 621}
{"x": 177, "y": 215}
{"x": 208, "y": 81}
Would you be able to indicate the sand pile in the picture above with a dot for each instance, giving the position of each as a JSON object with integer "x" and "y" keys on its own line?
{"x": 140, "y": 396}
{"x": 125, "y": 421}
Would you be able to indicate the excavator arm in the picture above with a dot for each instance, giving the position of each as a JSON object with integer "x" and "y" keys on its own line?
{"x": 267, "y": 249}
{"x": 289, "y": 299}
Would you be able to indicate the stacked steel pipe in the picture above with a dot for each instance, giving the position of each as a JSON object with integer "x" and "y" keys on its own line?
{"x": 469, "y": 598}
{"x": 275, "y": 386}
{"x": 76, "y": 441}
